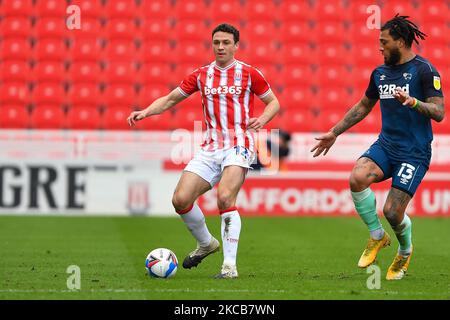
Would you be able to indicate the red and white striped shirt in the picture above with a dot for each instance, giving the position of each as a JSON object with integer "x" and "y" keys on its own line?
{"x": 227, "y": 99}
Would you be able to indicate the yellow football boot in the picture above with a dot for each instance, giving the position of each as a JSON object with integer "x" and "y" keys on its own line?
{"x": 373, "y": 246}
{"x": 397, "y": 269}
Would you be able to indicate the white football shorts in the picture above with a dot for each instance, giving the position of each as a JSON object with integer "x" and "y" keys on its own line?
{"x": 210, "y": 164}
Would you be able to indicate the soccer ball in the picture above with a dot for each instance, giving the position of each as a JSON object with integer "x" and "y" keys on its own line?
{"x": 161, "y": 263}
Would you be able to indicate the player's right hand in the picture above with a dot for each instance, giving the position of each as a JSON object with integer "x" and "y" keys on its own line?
{"x": 324, "y": 144}
{"x": 134, "y": 117}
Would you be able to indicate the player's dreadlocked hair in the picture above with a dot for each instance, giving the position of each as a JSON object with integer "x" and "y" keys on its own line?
{"x": 401, "y": 27}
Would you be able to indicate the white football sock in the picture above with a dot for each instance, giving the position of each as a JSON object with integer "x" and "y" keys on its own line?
{"x": 195, "y": 222}
{"x": 231, "y": 228}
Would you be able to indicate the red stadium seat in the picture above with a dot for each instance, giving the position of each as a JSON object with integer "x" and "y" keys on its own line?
{"x": 331, "y": 32}
{"x": 360, "y": 33}
{"x": 14, "y": 70}
{"x": 434, "y": 11}
{"x": 260, "y": 10}
{"x": 89, "y": 28}
{"x": 191, "y": 9}
{"x": 87, "y": 94}
{"x": 122, "y": 95}
{"x": 115, "y": 118}
{"x": 156, "y": 51}
{"x": 49, "y": 92}
{"x": 437, "y": 54}
{"x": 261, "y": 51}
{"x": 14, "y": 116}
{"x": 156, "y": 73}
{"x": 293, "y": 10}
{"x": 193, "y": 52}
{"x": 404, "y": 8}
{"x": 50, "y": 49}
{"x": 297, "y": 75}
{"x": 14, "y": 93}
{"x": 366, "y": 54}
{"x": 155, "y": 29}
{"x": 272, "y": 74}
{"x": 230, "y": 9}
{"x": 259, "y": 30}
{"x": 189, "y": 113}
{"x": 15, "y": 49}
{"x": 296, "y": 98}
{"x": 442, "y": 127}
{"x": 333, "y": 53}
{"x": 182, "y": 71}
{"x": 120, "y": 72}
{"x": 16, "y": 8}
{"x": 335, "y": 75}
{"x": 331, "y": 11}
{"x": 151, "y": 9}
{"x": 51, "y": 8}
{"x": 297, "y": 31}
{"x": 121, "y": 9}
{"x": 334, "y": 97}
{"x": 49, "y": 71}
{"x": 301, "y": 120}
{"x": 121, "y": 29}
{"x": 298, "y": 53}
{"x": 121, "y": 50}
{"x": 16, "y": 27}
{"x": 85, "y": 71}
{"x": 163, "y": 121}
{"x": 47, "y": 116}
{"x": 85, "y": 49}
{"x": 90, "y": 8}
{"x": 150, "y": 93}
{"x": 358, "y": 10}
{"x": 50, "y": 28}
{"x": 437, "y": 32}
{"x": 83, "y": 117}
{"x": 192, "y": 30}
{"x": 361, "y": 77}
{"x": 329, "y": 116}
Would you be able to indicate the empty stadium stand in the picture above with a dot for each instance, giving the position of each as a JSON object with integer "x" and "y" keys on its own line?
{"x": 317, "y": 55}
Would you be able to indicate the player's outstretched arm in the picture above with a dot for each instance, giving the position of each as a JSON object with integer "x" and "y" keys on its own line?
{"x": 158, "y": 106}
{"x": 271, "y": 109}
{"x": 433, "y": 107}
{"x": 358, "y": 112}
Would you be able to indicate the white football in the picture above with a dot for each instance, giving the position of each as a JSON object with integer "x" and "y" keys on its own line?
{"x": 161, "y": 263}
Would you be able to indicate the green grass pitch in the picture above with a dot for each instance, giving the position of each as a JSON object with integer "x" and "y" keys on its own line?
{"x": 279, "y": 258}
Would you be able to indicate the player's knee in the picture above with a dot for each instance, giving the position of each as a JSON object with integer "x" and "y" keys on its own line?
{"x": 181, "y": 201}
{"x": 358, "y": 181}
{"x": 390, "y": 214}
{"x": 225, "y": 199}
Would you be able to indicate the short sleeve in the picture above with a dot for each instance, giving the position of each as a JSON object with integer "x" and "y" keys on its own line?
{"x": 431, "y": 83}
{"x": 260, "y": 86}
{"x": 372, "y": 90}
{"x": 189, "y": 85}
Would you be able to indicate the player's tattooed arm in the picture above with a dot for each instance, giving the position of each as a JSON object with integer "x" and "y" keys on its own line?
{"x": 433, "y": 107}
{"x": 358, "y": 112}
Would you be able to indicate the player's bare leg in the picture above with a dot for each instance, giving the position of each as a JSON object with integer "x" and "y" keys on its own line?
{"x": 189, "y": 188}
{"x": 364, "y": 173}
{"x": 231, "y": 182}
{"x": 394, "y": 211}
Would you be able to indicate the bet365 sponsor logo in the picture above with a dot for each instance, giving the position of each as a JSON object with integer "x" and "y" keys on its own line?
{"x": 223, "y": 90}
{"x": 387, "y": 91}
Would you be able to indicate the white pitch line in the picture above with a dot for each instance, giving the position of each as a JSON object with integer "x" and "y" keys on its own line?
{"x": 348, "y": 292}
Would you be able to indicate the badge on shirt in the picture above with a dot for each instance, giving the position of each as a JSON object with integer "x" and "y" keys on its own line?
{"x": 437, "y": 83}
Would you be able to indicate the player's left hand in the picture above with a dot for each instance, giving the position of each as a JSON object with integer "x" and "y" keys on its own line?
{"x": 403, "y": 97}
{"x": 255, "y": 124}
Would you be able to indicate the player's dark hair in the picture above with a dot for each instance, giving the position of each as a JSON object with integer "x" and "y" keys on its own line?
{"x": 401, "y": 27}
{"x": 228, "y": 28}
